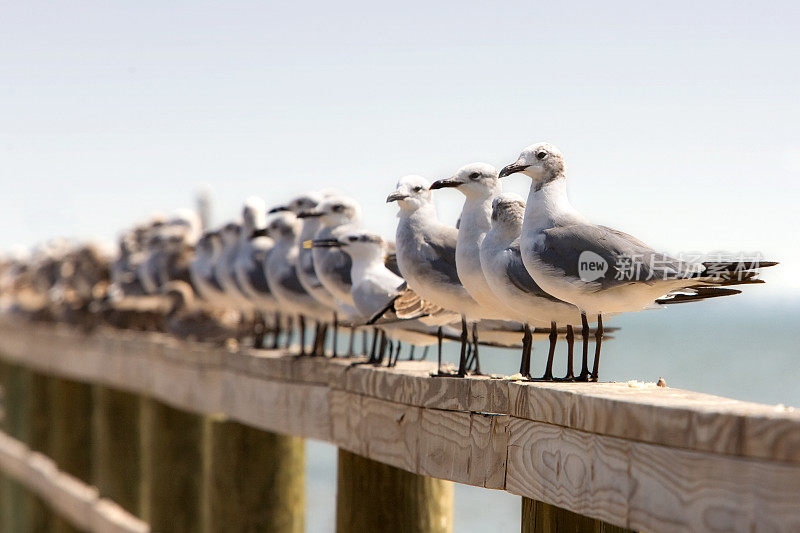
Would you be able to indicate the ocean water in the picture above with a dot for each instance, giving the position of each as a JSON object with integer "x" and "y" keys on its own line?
{"x": 744, "y": 347}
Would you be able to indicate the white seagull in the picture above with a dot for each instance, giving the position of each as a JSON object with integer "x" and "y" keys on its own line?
{"x": 599, "y": 269}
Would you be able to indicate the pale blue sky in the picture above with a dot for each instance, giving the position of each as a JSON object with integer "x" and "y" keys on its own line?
{"x": 679, "y": 121}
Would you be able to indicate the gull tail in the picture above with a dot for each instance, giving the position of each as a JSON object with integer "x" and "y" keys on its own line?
{"x": 695, "y": 294}
{"x": 724, "y": 273}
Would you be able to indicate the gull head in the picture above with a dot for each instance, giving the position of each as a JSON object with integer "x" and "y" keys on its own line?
{"x": 412, "y": 192}
{"x": 542, "y": 162}
{"x": 284, "y": 226}
{"x": 187, "y": 222}
{"x": 306, "y": 204}
{"x": 338, "y": 211}
{"x": 364, "y": 246}
{"x": 476, "y": 180}
{"x": 230, "y": 233}
{"x": 254, "y": 215}
{"x": 508, "y": 210}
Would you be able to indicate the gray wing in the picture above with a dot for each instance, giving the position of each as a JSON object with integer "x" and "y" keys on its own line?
{"x": 628, "y": 258}
{"x": 257, "y": 275}
{"x": 291, "y": 282}
{"x": 337, "y": 265}
{"x": 442, "y": 246}
{"x": 519, "y": 276}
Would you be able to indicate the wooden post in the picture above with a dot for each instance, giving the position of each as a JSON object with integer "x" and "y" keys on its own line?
{"x": 372, "y": 496}
{"x": 255, "y": 480}
{"x": 538, "y": 517}
{"x": 172, "y": 463}
{"x": 70, "y": 405}
{"x": 14, "y": 503}
{"x": 116, "y": 447}
{"x": 28, "y": 420}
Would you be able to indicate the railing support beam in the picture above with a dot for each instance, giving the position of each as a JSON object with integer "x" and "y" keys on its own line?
{"x": 539, "y": 517}
{"x": 116, "y": 447}
{"x": 372, "y": 496}
{"x": 172, "y": 467}
{"x": 255, "y": 480}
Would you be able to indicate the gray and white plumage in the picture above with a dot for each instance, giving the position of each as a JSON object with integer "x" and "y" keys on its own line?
{"x": 555, "y": 235}
{"x": 506, "y": 273}
{"x": 339, "y": 215}
{"x": 249, "y": 266}
{"x": 284, "y": 227}
{"x": 479, "y": 184}
{"x": 305, "y": 207}
{"x": 426, "y": 248}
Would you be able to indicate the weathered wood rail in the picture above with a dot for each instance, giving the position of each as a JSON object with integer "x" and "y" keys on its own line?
{"x": 637, "y": 456}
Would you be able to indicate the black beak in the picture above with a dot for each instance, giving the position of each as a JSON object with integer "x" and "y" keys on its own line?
{"x": 278, "y": 209}
{"x": 309, "y": 214}
{"x": 259, "y": 233}
{"x": 325, "y": 243}
{"x": 395, "y": 196}
{"x": 513, "y": 168}
{"x": 445, "y": 183}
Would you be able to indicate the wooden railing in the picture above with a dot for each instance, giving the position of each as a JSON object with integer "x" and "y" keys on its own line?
{"x": 631, "y": 455}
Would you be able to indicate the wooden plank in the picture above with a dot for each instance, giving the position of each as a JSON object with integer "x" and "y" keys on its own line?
{"x": 650, "y": 487}
{"x": 632, "y": 455}
{"x": 72, "y": 499}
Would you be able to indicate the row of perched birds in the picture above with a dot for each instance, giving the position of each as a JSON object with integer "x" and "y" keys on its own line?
{"x": 509, "y": 270}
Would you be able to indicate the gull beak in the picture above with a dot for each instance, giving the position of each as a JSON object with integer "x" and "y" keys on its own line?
{"x": 259, "y": 233}
{"x": 278, "y": 209}
{"x": 444, "y": 183}
{"x": 323, "y": 243}
{"x": 513, "y": 168}
{"x": 309, "y": 214}
{"x": 395, "y": 196}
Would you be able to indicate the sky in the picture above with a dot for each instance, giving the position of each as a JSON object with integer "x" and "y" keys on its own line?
{"x": 679, "y": 122}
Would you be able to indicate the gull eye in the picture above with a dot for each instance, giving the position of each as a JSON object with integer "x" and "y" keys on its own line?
{"x": 353, "y": 238}
{"x": 418, "y": 188}
{"x": 541, "y": 155}
{"x": 474, "y": 176}
{"x": 338, "y": 208}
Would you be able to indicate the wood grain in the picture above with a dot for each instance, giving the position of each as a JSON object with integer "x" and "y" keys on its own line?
{"x": 631, "y": 455}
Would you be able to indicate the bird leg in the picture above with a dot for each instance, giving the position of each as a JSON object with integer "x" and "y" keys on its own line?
{"x": 439, "y": 337}
{"x": 335, "y": 333}
{"x": 258, "y": 330}
{"x": 381, "y": 348}
{"x": 372, "y": 352}
{"x": 584, "y": 375}
{"x": 527, "y": 346}
{"x": 477, "y": 361}
{"x": 462, "y": 362}
{"x": 598, "y": 340}
{"x": 302, "y": 333}
{"x": 570, "y": 348}
{"x": 276, "y": 331}
{"x": 352, "y": 340}
{"x": 411, "y": 349}
{"x": 548, "y": 371}
{"x": 398, "y": 346}
{"x": 319, "y": 349}
{"x": 425, "y": 354}
{"x": 289, "y": 332}
{"x": 364, "y": 342}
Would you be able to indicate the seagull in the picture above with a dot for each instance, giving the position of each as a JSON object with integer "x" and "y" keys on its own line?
{"x": 598, "y": 269}
{"x": 338, "y": 216}
{"x": 202, "y": 267}
{"x": 249, "y": 263}
{"x": 231, "y": 234}
{"x": 281, "y": 267}
{"x": 376, "y": 290}
{"x": 479, "y": 183}
{"x": 509, "y": 279}
{"x": 426, "y": 255}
